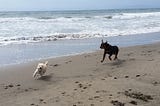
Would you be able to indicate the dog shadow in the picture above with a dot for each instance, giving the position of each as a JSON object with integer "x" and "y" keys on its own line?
{"x": 117, "y": 62}
{"x": 46, "y": 77}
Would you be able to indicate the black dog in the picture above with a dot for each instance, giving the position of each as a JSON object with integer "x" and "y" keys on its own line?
{"x": 108, "y": 49}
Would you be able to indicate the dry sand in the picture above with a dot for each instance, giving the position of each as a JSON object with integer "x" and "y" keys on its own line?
{"x": 82, "y": 80}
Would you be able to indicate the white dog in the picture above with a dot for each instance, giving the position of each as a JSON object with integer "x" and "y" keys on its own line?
{"x": 41, "y": 69}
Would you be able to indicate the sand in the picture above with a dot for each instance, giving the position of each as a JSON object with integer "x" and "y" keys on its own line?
{"x": 82, "y": 80}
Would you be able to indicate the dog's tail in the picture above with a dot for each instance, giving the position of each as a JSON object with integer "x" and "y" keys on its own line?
{"x": 46, "y": 63}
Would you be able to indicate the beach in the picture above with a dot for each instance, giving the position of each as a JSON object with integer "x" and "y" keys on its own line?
{"x": 70, "y": 42}
{"x": 82, "y": 80}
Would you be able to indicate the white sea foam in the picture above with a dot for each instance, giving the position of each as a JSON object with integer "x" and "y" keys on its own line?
{"x": 24, "y": 29}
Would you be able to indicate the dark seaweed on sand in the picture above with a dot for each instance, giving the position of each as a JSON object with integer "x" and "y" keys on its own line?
{"x": 138, "y": 95}
{"x": 117, "y": 103}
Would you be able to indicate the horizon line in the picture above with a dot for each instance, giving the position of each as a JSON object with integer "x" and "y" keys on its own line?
{"x": 76, "y": 10}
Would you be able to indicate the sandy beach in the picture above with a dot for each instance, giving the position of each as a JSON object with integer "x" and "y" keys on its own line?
{"x": 82, "y": 80}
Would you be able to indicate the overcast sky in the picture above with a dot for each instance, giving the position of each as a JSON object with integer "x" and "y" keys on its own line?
{"x": 46, "y": 5}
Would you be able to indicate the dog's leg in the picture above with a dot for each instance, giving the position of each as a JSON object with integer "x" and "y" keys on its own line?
{"x": 115, "y": 56}
{"x": 110, "y": 57}
{"x": 41, "y": 73}
{"x": 35, "y": 73}
{"x": 104, "y": 55}
{"x": 116, "y": 53}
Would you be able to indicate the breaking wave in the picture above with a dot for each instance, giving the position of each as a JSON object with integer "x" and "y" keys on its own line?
{"x": 46, "y": 26}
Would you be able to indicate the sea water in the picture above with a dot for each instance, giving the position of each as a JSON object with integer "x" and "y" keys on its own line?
{"x": 30, "y": 35}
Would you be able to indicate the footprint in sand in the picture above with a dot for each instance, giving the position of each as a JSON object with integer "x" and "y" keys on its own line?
{"x": 126, "y": 76}
{"x": 32, "y": 104}
{"x": 101, "y": 101}
{"x": 115, "y": 77}
{"x": 18, "y": 85}
{"x": 90, "y": 98}
{"x": 128, "y": 54}
{"x": 150, "y": 60}
{"x": 80, "y": 85}
{"x": 41, "y": 100}
{"x": 89, "y": 84}
{"x": 138, "y": 75}
{"x": 132, "y": 59}
{"x": 96, "y": 97}
{"x": 68, "y": 62}
{"x": 144, "y": 54}
{"x": 55, "y": 65}
{"x": 155, "y": 83}
{"x": 11, "y": 86}
{"x": 96, "y": 70}
{"x": 133, "y": 102}
{"x": 76, "y": 82}
{"x": 101, "y": 91}
{"x": 92, "y": 105}
{"x": 117, "y": 103}
{"x": 34, "y": 89}
{"x": 103, "y": 79}
{"x": 149, "y": 51}
{"x": 79, "y": 103}
{"x": 63, "y": 93}
{"x": 26, "y": 90}
{"x": 87, "y": 56}
{"x": 6, "y": 87}
{"x": 85, "y": 87}
{"x": 130, "y": 89}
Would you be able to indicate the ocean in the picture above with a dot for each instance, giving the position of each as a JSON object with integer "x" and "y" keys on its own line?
{"x": 33, "y": 35}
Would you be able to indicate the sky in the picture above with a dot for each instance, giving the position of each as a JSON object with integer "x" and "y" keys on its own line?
{"x": 47, "y": 5}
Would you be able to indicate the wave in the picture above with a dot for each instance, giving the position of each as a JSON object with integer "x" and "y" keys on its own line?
{"x": 46, "y": 18}
{"x": 136, "y": 15}
{"x": 108, "y": 17}
{"x": 69, "y": 36}
{"x": 23, "y": 40}
{"x": 50, "y": 28}
{"x": 111, "y": 16}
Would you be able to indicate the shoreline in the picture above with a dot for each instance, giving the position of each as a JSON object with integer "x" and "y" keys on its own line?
{"x": 83, "y": 80}
{"x": 15, "y": 54}
{"x": 68, "y": 55}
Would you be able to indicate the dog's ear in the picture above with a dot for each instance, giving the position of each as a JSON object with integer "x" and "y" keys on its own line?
{"x": 102, "y": 40}
{"x": 106, "y": 41}
{"x": 46, "y": 63}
